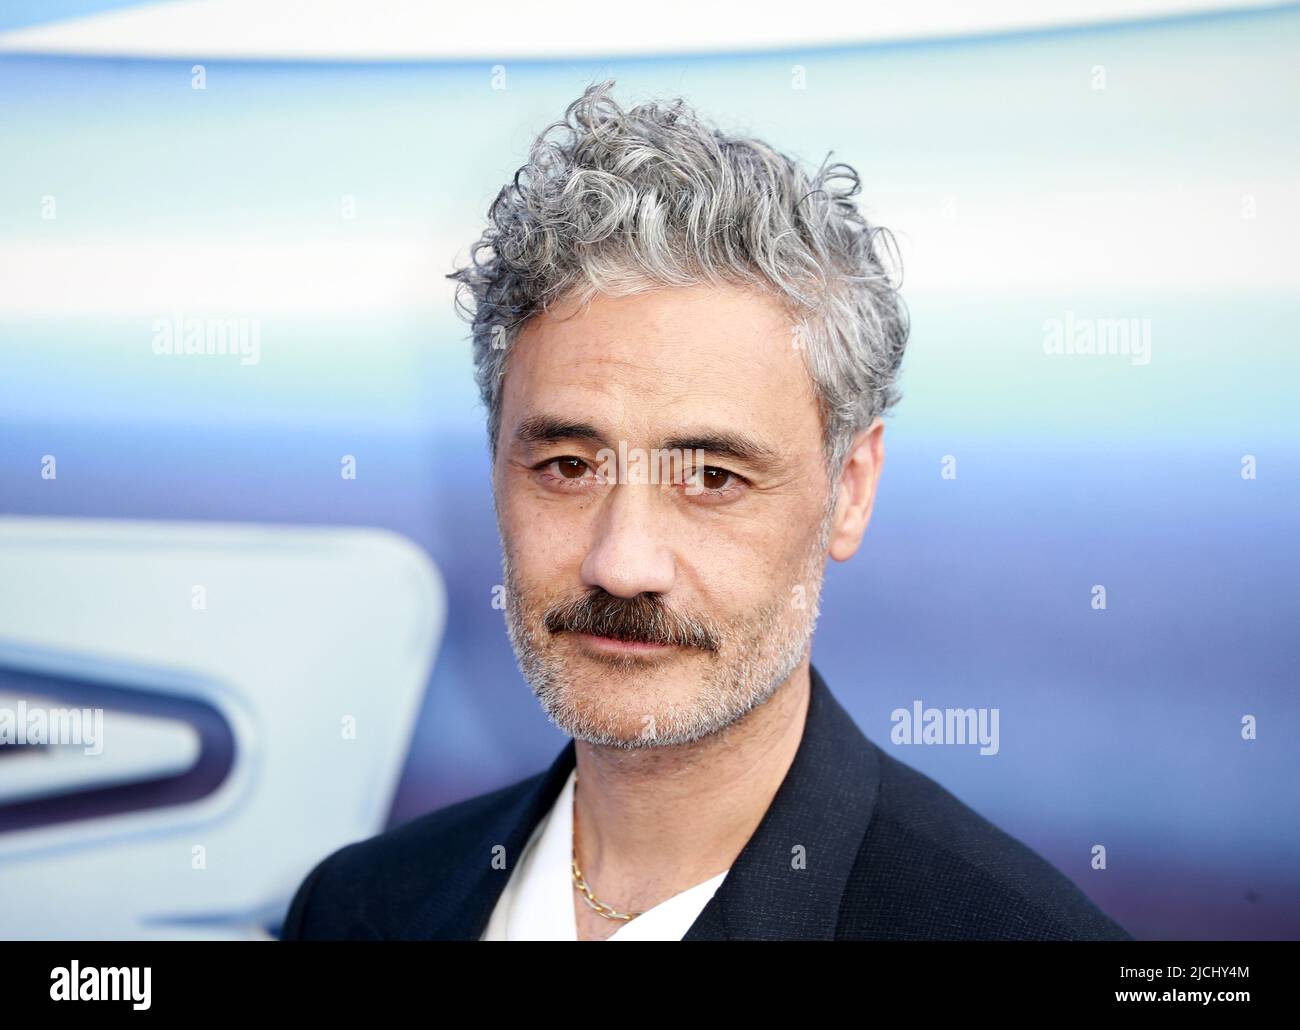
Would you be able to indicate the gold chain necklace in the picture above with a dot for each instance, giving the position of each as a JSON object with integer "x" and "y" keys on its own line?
{"x": 579, "y": 882}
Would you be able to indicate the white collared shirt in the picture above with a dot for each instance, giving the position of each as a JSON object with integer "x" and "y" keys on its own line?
{"x": 537, "y": 902}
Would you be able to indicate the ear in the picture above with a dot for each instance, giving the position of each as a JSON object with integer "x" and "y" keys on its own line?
{"x": 857, "y": 491}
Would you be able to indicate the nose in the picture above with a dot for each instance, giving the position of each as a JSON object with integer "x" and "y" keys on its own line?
{"x": 628, "y": 556}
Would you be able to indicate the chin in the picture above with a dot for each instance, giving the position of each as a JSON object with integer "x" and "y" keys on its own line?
{"x": 625, "y": 707}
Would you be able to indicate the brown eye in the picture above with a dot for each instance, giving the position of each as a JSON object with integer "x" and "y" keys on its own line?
{"x": 712, "y": 482}
{"x": 571, "y": 468}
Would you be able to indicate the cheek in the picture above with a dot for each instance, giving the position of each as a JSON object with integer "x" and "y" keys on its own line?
{"x": 545, "y": 538}
{"x": 750, "y": 564}
{"x": 733, "y": 567}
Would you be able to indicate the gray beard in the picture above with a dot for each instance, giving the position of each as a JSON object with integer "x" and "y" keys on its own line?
{"x": 755, "y": 658}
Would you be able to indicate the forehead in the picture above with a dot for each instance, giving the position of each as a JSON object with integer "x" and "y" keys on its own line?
{"x": 643, "y": 363}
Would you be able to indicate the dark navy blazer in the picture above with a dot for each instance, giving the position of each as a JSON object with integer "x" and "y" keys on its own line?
{"x": 887, "y": 854}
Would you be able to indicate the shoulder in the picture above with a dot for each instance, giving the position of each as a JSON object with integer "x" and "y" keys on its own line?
{"x": 931, "y": 867}
{"x": 363, "y": 887}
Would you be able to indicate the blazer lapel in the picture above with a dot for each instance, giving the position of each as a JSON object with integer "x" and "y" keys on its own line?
{"x": 461, "y": 905}
{"x": 787, "y": 881}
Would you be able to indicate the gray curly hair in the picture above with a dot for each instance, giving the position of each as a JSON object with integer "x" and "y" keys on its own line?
{"x": 621, "y": 201}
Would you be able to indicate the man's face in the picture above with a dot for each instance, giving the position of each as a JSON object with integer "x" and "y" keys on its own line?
{"x": 648, "y": 612}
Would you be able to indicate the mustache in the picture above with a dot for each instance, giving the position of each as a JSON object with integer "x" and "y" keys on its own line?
{"x": 643, "y": 619}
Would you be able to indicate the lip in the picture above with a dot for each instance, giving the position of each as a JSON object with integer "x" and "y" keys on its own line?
{"x": 608, "y": 645}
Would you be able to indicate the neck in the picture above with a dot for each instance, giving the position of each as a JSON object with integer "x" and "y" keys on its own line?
{"x": 654, "y": 821}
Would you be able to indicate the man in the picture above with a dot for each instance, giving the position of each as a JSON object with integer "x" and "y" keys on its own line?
{"x": 685, "y": 344}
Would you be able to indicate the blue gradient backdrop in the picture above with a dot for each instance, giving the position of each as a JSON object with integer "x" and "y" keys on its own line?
{"x": 1119, "y": 727}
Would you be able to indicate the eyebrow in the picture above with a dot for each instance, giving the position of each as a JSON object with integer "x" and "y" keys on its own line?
{"x": 552, "y": 429}
{"x": 725, "y": 444}
{"x": 542, "y": 429}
